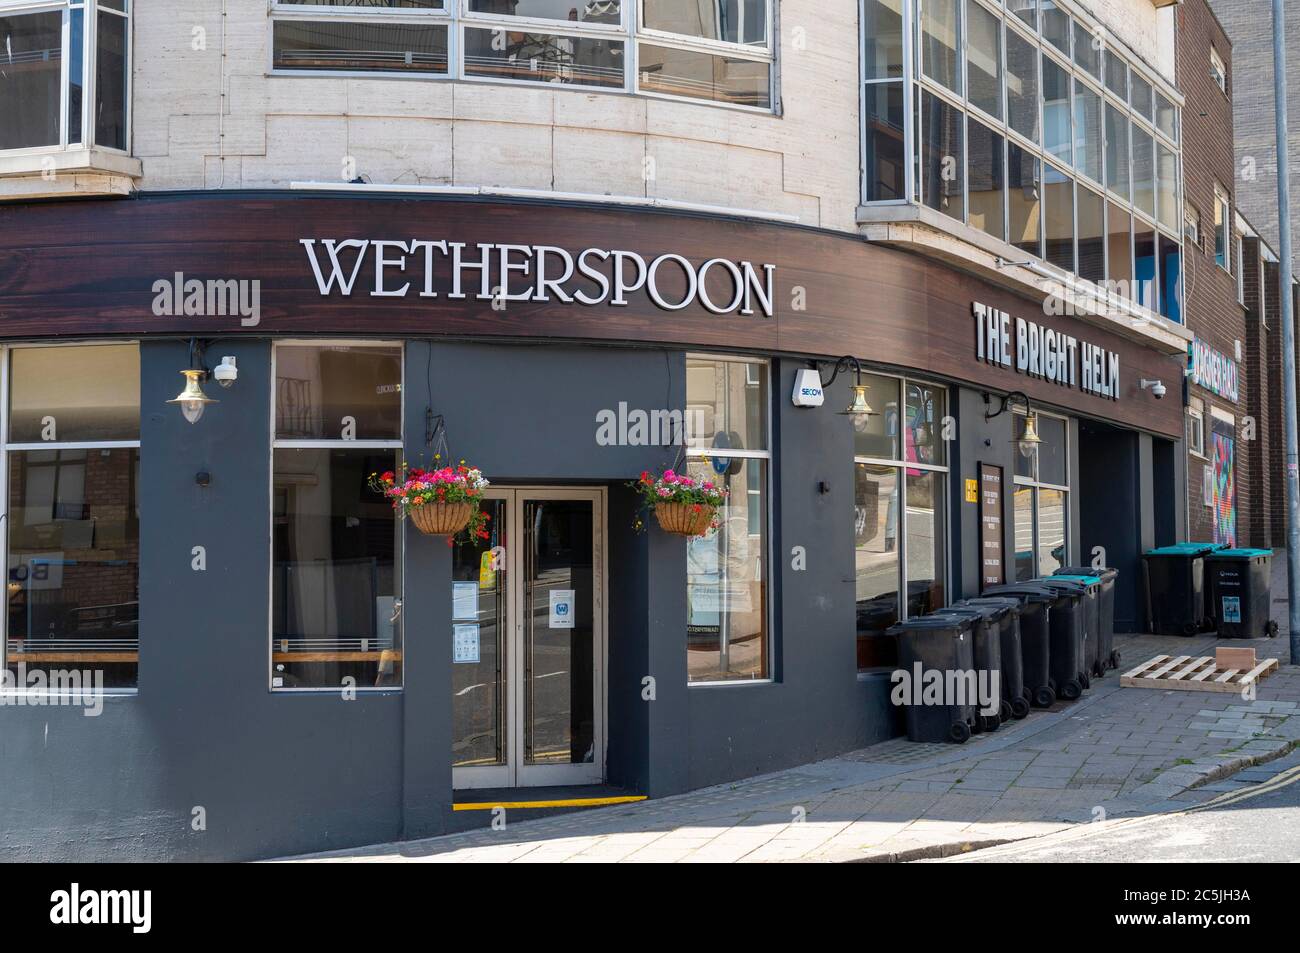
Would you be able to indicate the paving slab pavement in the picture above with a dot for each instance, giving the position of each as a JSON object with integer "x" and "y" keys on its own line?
{"x": 1114, "y": 753}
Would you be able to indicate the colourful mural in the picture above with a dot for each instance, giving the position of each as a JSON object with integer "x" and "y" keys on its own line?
{"x": 1225, "y": 487}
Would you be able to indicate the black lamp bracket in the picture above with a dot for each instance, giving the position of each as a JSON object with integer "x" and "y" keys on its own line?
{"x": 843, "y": 364}
{"x": 1004, "y": 402}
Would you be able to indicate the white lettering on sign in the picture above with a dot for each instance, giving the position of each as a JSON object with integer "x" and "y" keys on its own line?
{"x": 492, "y": 272}
{"x": 1213, "y": 370}
{"x": 1044, "y": 353}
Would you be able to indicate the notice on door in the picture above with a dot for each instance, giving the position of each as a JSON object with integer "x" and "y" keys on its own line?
{"x": 465, "y": 644}
{"x": 561, "y": 608}
{"x": 991, "y": 563}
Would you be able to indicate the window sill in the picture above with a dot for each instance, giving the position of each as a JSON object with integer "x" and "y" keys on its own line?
{"x": 67, "y": 173}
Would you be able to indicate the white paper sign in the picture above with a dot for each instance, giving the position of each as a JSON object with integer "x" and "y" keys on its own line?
{"x": 562, "y": 608}
{"x": 464, "y": 601}
{"x": 464, "y": 644}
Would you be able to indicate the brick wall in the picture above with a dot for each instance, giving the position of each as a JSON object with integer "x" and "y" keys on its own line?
{"x": 1212, "y": 310}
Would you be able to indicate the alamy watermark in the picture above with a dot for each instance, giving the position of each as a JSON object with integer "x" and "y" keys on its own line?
{"x": 56, "y": 687}
{"x": 179, "y": 296}
{"x": 947, "y": 687}
{"x": 634, "y": 427}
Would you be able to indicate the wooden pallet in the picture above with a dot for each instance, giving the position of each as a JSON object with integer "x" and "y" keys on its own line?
{"x": 1192, "y": 674}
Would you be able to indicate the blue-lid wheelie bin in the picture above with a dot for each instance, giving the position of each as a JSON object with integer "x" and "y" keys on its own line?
{"x": 1096, "y": 666}
{"x": 1106, "y": 649}
{"x": 1035, "y": 642}
{"x": 1065, "y": 634}
{"x": 1239, "y": 593}
{"x": 1175, "y": 587}
{"x": 987, "y": 636}
{"x": 943, "y": 644}
{"x": 1005, "y": 616}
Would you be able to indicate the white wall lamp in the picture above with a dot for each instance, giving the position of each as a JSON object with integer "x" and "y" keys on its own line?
{"x": 191, "y": 399}
{"x": 1028, "y": 441}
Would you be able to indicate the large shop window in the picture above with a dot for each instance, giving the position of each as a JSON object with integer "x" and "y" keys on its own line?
{"x": 1041, "y": 502}
{"x": 1025, "y": 101}
{"x": 720, "y": 51}
{"x": 727, "y": 635}
{"x": 58, "y": 57}
{"x": 72, "y": 442}
{"x": 336, "y": 587}
{"x": 899, "y": 511}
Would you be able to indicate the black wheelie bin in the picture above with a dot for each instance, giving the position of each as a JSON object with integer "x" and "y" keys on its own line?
{"x": 1239, "y": 593}
{"x": 986, "y": 630}
{"x": 1175, "y": 587}
{"x": 1005, "y": 616}
{"x": 939, "y": 643}
{"x": 1096, "y": 666}
{"x": 1035, "y": 664}
{"x": 1065, "y": 634}
{"x": 1106, "y": 649}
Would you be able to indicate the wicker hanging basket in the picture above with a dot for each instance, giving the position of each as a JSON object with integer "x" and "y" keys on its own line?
{"x": 441, "y": 519}
{"x": 684, "y": 519}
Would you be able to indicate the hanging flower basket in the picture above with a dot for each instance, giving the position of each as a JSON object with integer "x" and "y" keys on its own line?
{"x": 442, "y": 502}
{"x": 685, "y": 519}
{"x": 441, "y": 519}
{"x": 683, "y": 505}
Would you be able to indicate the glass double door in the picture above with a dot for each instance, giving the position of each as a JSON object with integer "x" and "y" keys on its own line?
{"x": 527, "y": 679}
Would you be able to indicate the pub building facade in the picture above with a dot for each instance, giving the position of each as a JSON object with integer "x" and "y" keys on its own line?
{"x": 565, "y": 270}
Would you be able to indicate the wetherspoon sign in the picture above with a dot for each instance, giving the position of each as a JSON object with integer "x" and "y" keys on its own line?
{"x": 1039, "y": 351}
{"x": 504, "y": 273}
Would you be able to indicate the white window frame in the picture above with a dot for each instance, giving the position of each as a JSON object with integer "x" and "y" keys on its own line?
{"x": 1191, "y": 224}
{"x": 901, "y": 466}
{"x": 769, "y": 513}
{"x": 1222, "y": 228}
{"x": 1218, "y": 70}
{"x": 89, "y": 35}
{"x": 1196, "y": 431}
{"x": 317, "y": 444}
{"x": 6, "y": 354}
{"x": 455, "y": 15}
{"x": 1037, "y": 484}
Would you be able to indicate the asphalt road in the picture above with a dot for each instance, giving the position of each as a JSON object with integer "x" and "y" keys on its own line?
{"x": 1259, "y": 822}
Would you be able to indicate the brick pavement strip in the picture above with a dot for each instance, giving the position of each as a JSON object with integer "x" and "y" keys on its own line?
{"x": 1115, "y": 752}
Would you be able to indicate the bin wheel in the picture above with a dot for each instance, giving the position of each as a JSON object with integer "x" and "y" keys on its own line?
{"x": 1071, "y": 690}
{"x": 959, "y": 732}
{"x": 1114, "y": 658}
{"x": 1271, "y": 629}
{"x": 1044, "y": 697}
{"x": 1019, "y": 707}
{"x": 1084, "y": 680}
{"x": 1006, "y": 711}
{"x": 989, "y": 722}
{"x": 1190, "y": 628}
{"x": 1099, "y": 670}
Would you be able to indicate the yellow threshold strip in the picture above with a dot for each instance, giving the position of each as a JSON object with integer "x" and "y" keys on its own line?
{"x": 568, "y": 802}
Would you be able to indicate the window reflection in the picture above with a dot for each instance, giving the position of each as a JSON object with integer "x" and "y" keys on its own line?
{"x": 876, "y": 567}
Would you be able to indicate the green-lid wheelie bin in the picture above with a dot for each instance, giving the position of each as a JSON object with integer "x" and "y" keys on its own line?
{"x": 1106, "y": 650}
{"x": 1004, "y": 614}
{"x": 943, "y": 644}
{"x": 1094, "y": 653}
{"x": 1175, "y": 585}
{"x": 1239, "y": 593}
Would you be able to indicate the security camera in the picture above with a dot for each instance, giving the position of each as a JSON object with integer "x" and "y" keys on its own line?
{"x": 226, "y": 373}
{"x": 1158, "y": 389}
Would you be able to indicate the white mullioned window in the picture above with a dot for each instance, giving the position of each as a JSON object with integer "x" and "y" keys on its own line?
{"x": 1222, "y": 224}
{"x": 900, "y": 512}
{"x": 728, "y": 630}
{"x": 66, "y": 78}
{"x": 720, "y": 51}
{"x": 336, "y": 546}
{"x": 1218, "y": 70}
{"x": 71, "y": 476}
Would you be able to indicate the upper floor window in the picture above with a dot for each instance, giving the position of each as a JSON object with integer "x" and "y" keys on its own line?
{"x": 1025, "y": 122}
{"x": 1222, "y": 217}
{"x": 65, "y": 74}
{"x": 720, "y": 51}
{"x": 1218, "y": 71}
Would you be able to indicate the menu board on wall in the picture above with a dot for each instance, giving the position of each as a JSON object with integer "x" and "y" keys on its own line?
{"x": 991, "y": 563}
